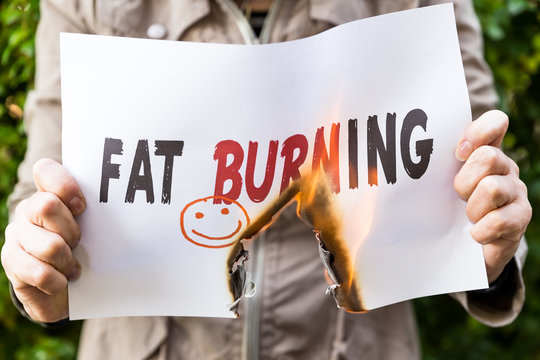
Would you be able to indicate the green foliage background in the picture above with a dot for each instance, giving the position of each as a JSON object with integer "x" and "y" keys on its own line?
{"x": 512, "y": 40}
{"x": 512, "y": 45}
{"x": 19, "y": 338}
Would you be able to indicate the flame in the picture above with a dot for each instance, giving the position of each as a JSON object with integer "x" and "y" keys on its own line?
{"x": 363, "y": 222}
{"x": 308, "y": 191}
{"x": 271, "y": 213}
{"x": 315, "y": 205}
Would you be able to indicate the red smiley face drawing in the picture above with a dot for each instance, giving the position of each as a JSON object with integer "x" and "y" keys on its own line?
{"x": 202, "y": 216}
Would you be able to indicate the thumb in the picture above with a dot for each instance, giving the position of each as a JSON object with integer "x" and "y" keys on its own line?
{"x": 488, "y": 129}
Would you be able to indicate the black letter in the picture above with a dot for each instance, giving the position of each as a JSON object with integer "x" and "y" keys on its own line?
{"x": 353, "y": 154}
{"x": 108, "y": 170}
{"x": 144, "y": 181}
{"x": 376, "y": 145}
{"x": 169, "y": 149}
{"x": 424, "y": 148}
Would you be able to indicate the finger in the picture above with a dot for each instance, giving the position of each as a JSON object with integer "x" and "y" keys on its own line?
{"x": 491, "y": 193}
{"x": 43, "y": 307}
{"x": 46, "y": 210}
{"x": 506, "y": 223}
{"x": 484, "y": 161}
{"x": 50, "y": 176}
{"x": 488, "y": 129}
{"x": 23, "y": 269}
{"x": 48, "y": 247}
{"x": 40, "y": 306}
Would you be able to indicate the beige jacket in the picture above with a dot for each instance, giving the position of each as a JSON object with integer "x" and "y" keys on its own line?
{"x": 290, "y": 317}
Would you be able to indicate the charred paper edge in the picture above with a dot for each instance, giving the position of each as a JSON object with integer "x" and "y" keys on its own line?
{"x": 315, "y": 206}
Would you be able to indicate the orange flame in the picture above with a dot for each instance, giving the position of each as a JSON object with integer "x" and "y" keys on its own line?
{"x": 364, "y": 220}
{"x": 315, "y": 205}
{"x": 308, "y": 191}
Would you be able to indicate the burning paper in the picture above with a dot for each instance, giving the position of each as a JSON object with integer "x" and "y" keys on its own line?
{"x": 183, "y": 149}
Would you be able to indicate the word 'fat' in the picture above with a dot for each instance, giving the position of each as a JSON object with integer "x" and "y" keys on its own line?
{"x": 139, "y": 180}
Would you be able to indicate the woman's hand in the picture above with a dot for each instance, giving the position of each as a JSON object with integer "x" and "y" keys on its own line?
{"x": 37, "y": 254}
{"x": 496, "y": 198}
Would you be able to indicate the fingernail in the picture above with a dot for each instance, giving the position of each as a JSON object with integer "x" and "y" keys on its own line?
{"x": 74, "y": 273}
{"x": 76, "y": 205}
{"x": 463, "y": 150}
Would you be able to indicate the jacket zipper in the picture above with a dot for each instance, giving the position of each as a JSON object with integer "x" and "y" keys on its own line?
{"x": 269, "y": 22}
{"x": 245, "y": 28}
{"x": 252, "y": 316}
{"x": 243, "y": 25}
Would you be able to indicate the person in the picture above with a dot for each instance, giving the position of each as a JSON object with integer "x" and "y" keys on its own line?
{"x": 290, "y": 317}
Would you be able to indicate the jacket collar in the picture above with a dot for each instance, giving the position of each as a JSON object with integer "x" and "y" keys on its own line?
{"x": 338, "y": 12}
{"x": 185, "y": 13}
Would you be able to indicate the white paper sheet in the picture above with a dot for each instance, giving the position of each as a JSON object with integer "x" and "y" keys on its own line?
{"x": 410, "y": 238}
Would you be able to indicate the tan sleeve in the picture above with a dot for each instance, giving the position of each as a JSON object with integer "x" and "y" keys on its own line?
{"x": 483, "y": 98}
{"x": 42, "y": 114}
{"x": 499, "y": 307}
{"x": 479, "y": 77}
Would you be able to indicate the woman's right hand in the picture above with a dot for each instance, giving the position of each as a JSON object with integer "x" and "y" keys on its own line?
{"x": 37, "y": 254}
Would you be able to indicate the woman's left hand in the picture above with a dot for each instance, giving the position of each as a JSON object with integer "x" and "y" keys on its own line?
{"x": 497, "y": 203}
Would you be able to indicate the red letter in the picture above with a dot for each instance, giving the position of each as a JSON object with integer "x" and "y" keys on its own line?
{"x": 258, "y": 194}
{"x": 330, "y": 163}
{"x": 228, "y": 172}
{"x": 291, "y": 167}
